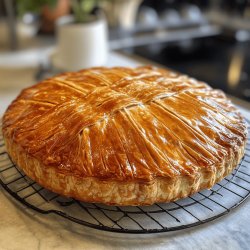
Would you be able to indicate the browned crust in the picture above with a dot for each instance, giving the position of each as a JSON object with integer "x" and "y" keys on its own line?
{"x": 120, "y": 193}
{"x": 124, "y": 136}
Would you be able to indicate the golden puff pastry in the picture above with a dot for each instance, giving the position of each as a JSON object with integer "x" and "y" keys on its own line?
{"x": 124, "y": 136}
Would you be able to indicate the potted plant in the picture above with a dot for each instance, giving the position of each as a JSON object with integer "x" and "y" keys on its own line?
{"x": 81, "y": 38}
{"x": 48, "y": 11}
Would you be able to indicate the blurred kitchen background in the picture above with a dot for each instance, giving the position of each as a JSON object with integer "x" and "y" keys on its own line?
{"x": 209, "y": 39}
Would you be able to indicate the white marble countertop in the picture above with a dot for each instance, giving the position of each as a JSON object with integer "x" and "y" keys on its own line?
{"x": 23, "y": 229}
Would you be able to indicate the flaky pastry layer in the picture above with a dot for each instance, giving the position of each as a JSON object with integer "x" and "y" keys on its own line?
{"x": 110, "y": 192}
{"x": 124, "y": 136}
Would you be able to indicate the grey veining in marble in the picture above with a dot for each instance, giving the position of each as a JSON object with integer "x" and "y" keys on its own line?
{"x": 23, "y": 229}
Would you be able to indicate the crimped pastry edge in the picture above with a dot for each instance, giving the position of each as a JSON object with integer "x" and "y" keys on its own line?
{"x": 110, "y": 192}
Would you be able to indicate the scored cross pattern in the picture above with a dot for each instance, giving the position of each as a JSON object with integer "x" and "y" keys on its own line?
{"x": 125, "y": 124}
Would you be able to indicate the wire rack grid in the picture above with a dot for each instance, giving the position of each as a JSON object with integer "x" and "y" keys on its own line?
{"x": 194, "y": 210}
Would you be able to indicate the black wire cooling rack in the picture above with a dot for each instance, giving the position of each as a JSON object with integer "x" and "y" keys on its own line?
{"x": 197, "y": 209}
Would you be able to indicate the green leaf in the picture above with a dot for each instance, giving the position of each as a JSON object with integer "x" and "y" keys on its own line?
{"x": 87, "y": 5}
{"x": 34, "y": 6}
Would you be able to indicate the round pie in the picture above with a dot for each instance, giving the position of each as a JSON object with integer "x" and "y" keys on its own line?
{"x": 124, "y": 136}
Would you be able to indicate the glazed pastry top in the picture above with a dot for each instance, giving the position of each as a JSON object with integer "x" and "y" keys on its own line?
{"x": 125, "y": 124}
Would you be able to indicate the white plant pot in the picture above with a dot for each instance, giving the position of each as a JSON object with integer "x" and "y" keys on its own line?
{"x": 80, "y": 45}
